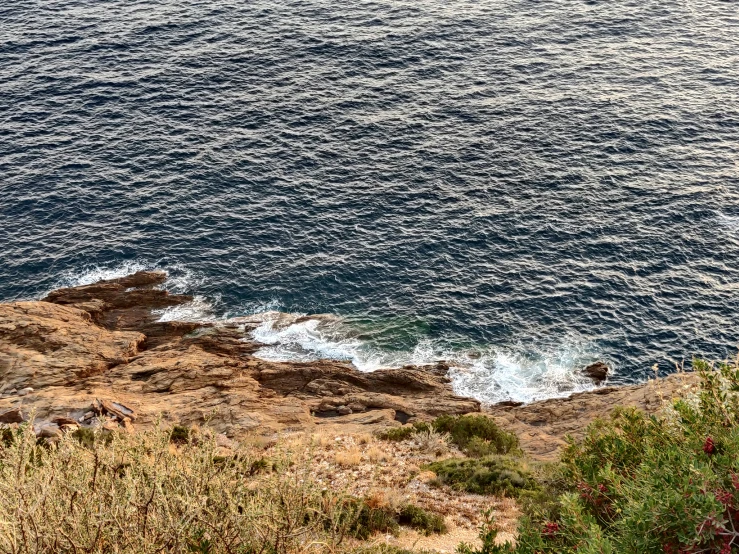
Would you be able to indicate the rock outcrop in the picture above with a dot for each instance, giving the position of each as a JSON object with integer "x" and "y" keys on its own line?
{"x": 597, "y": 371}
{"x": 97, "y": 350}
{"x": 96, "y": 353}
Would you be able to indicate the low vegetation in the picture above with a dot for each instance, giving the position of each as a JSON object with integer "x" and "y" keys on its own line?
{"x": 173, "y": 491}
{"x": 641, "y": 484}
{"x": 495, "y": 475}
{"x": 475, "y": 435}
{"x": 635, "y": 483}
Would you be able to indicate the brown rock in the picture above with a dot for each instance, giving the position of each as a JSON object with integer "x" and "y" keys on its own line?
{"x": 117, "y": 410}
{"x": 110, "y": 425}
{"x": 101, "y": 344}
{"x": 102, "y": 341}
{"x": 542, "y": 426}
{"x": 13, "y": 415}
{"x": 127, "y": 425}
{"x": 222, "y": 441}
{"x": 63, "y": 420}
{"x": 597, "y": 371}
{"x": 49, "y": 431}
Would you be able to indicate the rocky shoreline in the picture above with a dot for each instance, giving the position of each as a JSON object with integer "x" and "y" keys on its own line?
{"x": 98, "y": 350}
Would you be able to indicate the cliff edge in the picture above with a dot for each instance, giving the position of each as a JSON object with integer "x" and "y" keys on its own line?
{"x": 99, "y": 349}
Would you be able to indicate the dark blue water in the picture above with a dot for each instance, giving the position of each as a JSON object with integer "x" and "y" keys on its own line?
{"x": 518, "y": 186}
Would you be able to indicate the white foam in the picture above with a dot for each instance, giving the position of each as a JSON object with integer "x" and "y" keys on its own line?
{"x": 490, "y": 375}
{"x": 293, "y": 337}
{"x": 200, "y": 309}
{"x": 500, "y": 375}
{"x": 180, "y": 279}
{"x": 93, "y": 273}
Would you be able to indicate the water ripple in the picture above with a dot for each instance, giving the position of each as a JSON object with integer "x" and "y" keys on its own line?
{"x": 543, "y": 183}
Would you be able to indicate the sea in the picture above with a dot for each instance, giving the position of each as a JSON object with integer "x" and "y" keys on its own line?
{"x": 516, "y": 187}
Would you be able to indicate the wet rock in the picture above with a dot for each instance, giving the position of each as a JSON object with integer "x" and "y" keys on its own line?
{"x": 511, "y": 403}
{"x": 597, "y": 371}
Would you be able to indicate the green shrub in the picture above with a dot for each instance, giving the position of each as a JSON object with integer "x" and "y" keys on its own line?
{"x": 397, "y": 434}
{"x": 418, "y": 518}
{"x": 541, "y": 503}
{"x": 366, "y": 520}
{"x": 476, "y": 435}
{"x": 500, "y": 475}
{"x": 645, "y": 484}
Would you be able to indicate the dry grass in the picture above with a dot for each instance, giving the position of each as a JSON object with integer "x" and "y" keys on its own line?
{"x": 141, "y": 494}
{"x": 396, "y": 473}
{"x": 375, "y": 454}
{"x": 432, "y": 442}
{"x": 322, "y": 439}
{"x": 349, "y": 458}
{"x": 385, "y": 498}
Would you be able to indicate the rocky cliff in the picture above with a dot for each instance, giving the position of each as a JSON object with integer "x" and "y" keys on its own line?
{"x": 98, "y": 350}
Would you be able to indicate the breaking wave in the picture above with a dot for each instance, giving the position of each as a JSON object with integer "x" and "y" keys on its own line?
{"x": 489, "y": 374}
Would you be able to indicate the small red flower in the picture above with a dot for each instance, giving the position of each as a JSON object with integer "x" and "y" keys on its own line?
{"x": 725, "y": 497}
{"x": 550, "y": 529}
{"x": 708, "y": 447}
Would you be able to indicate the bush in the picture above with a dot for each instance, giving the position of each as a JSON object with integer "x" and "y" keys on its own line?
{"x": 114, "y": 492}
{"x": 476, "y": 435}
{"x": 366, "y": 520}
{"x": 500, "y": 475}
{"x": 179, "y": 434}
{"x": 369, "y": 518}
{"x": 651, "y": 484}
{"x": 397, "y": 434}
{"x": 426, "y": 522}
